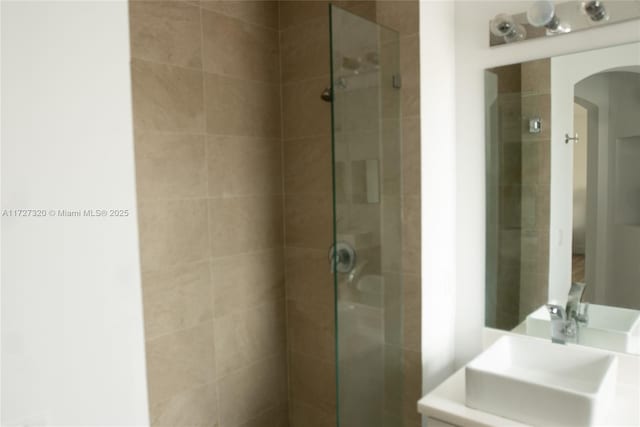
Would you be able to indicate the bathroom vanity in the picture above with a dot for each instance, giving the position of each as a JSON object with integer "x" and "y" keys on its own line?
{"x": 561, "y": 344}
{"x": 616, "y": 377}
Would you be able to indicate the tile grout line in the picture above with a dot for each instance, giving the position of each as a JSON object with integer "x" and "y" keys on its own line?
{"x": 212, "y": 258}
{"x": 284, "y": 224}
{"x": 203, "y": 71}
{"x": 244, "y": 21}
{"x": 207, "y": 198}
{"x": 208, "y": 213}
{"x": 306, "y": 80}
{"x": 264, "y": 137}
{"x": 213, "y": 319}
{"x": 204, "y": 133}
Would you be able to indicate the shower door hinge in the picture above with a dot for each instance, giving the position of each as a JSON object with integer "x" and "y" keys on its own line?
{"x": 396, "y": 81}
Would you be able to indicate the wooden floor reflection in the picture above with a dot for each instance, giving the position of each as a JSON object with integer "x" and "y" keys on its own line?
{"x": 577, "y": 268}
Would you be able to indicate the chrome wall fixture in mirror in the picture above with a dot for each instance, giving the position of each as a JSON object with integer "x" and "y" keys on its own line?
{"x": 563, "y": 197}
{"x": 546, "y": 18}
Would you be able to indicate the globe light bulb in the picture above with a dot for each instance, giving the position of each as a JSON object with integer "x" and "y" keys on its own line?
{"x": 595, "y": 10}
{"x": 505, "y": 26}
{"x": 541, "y": 13}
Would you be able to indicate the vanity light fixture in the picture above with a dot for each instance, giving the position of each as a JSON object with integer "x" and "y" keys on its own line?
{"x": 595, "y": 10}
{"x": 543, "y": 14}
{"x": 546, "y": 18}
{"x": 505, "y": 26}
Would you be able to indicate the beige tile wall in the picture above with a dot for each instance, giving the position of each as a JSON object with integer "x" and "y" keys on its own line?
{"x": 403, "y": 16}
{"x": 233, "y": 164}
{"x": 304, "y": 42}
{"x": 206, "y": 94}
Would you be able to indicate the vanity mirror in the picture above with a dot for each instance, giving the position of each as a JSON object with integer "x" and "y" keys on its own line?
{"x": 563, "y": 197}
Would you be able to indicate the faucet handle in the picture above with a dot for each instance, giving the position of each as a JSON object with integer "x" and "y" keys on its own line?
{"x": 577, "y": 290}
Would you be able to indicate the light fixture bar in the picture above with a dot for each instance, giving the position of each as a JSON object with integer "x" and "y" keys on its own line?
{"x": 552, "y": 20}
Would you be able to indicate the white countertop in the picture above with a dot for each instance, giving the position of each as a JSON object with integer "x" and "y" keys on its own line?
{"x": 447, "y": 401}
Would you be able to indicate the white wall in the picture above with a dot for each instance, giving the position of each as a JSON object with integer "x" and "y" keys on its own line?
{"x": 472, "y": 56}
{"x": 594, "y": 93}
{"x": 580, "y": 126}
{"x": 613, "y": 180}
{"x": 72, "y": 334}
{"x": 624, "y": 190}
{"x": 437, "y": 104}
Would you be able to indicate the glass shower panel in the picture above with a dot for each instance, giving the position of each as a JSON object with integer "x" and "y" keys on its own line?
{"x": 367, "y": 220}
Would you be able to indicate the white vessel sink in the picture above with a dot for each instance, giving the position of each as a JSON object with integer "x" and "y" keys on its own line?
{"x": 611, "y": 328}
{"x": 540, "y": 383}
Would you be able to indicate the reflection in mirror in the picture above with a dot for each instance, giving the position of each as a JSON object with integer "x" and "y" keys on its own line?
{"x": 517, "y": 191}
{"x": 563, "y": 197}
{"x": 578, "y": 245}
{"x": 606, "y": 187}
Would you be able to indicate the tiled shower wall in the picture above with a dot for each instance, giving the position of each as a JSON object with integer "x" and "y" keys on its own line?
{"x": 206, "y": 94}
{"x": 233, "y": 163}
{"x": 304, "y": 43}
{"x": 403, "y": 16}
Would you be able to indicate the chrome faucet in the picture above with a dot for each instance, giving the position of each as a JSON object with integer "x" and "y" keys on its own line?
{"x": 563, "y": 328}
{"x": 566, "y": 322}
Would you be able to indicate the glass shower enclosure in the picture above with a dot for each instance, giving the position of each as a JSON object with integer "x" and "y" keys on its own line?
{"x": 366, "y": 255}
